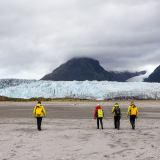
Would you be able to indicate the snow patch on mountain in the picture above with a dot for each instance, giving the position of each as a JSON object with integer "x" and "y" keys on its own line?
{"x": 137, "y": 78}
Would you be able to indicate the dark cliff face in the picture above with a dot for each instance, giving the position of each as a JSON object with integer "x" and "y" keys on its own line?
{"x": 123, "y": 76}
{"x": 79, "y": 69}
{"x": 155, "y": 76}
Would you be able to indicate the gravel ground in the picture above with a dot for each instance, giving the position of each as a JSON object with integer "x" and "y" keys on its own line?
{"x": 69, "y": 132}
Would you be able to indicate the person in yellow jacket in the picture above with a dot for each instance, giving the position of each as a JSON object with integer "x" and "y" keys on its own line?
{"x": 38, "y": 113}
{"x": 129, "y": 111}
{"x": 133, "y": 112}
{"x": 117, "y": 115}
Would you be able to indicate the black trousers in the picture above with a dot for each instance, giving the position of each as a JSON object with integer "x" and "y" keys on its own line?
{"x": 39, "y": 121}
{"x": 116, "y": 120}
{"x": 132, "y": 118}
{"x": 99, "y": 119}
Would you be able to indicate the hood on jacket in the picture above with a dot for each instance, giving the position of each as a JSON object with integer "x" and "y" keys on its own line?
{"x": 38, "y": 104}
{"x": 134, "y": 106}
{"x": 116, "y": 105}
{"x": 98, "y": 107}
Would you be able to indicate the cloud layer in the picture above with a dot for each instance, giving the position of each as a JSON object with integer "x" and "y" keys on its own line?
{"x": 38, "y": 36}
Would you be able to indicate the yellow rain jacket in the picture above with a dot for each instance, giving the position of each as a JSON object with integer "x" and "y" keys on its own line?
{"x": 136, "y": 111}
{"x": 114, "y": 108}
{"x": 129, "y": 111}
{"x": 43, "y": 111}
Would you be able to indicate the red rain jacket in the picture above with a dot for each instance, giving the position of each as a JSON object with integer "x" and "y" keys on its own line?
{"x": 95, "y": 114}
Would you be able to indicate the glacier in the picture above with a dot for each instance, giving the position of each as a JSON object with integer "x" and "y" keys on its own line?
{"x": 96, "y": 90}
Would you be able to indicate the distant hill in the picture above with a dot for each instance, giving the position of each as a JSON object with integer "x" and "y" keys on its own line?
{"x": 80, "y": 69}
{"x": 123, "y": 76}
{"x": 155, "y": 76}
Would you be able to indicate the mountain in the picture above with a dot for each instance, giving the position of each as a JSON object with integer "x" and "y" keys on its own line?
{"x": 123, "y": 76}
{"x": 155, "y": 76}
{"x": 79, "y": 69}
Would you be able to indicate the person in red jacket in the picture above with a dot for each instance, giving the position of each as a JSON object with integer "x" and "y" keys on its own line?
{"x": 99, "y": 115}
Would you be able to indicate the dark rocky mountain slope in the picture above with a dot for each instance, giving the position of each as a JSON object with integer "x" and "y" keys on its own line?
{"x": 155, "y": 76}
{"x": 79, "y": 69}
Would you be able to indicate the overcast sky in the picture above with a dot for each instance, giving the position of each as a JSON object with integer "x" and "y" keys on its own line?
{"x": 38, "y": 36}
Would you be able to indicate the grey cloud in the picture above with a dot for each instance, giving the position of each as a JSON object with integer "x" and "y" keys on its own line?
{"x": 38, "y": 36}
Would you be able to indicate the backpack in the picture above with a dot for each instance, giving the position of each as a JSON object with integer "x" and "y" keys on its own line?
{"x": 117, "y": 111}
{"x": 134, "y": 110}
{"x": 38, "y": 111}
{"x": 100, "y": 113}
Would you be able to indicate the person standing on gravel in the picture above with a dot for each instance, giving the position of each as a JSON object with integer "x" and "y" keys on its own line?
{"x": 99, "y": 114}
{"x": 133, "y": 115}
{"x": 117, "y": 115}
{"x": 129, "y": 111}
{"x": 38, "y": 113}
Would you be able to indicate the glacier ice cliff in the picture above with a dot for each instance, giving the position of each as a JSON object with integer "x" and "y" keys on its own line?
{"x": 96, "y": 90}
